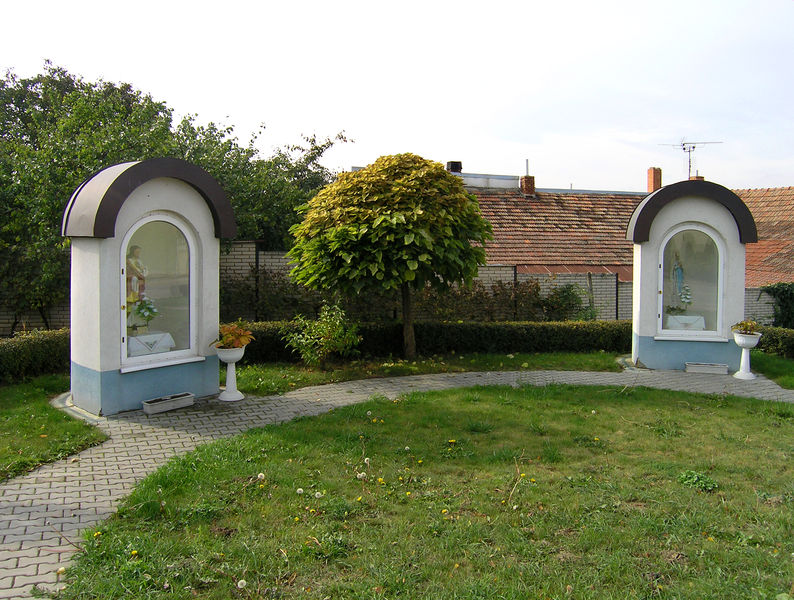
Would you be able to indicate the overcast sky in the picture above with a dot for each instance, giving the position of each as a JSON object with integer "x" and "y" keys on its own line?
{"x": 586, "y": 91}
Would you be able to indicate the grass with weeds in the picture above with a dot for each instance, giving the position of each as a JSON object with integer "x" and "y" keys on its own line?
{"x": 32, "y": 432}
{"x": 555, "y": 492}
{"x": 774, "y": 367}
{"x": 277, "y": 378}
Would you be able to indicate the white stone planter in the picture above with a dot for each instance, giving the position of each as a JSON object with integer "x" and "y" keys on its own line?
{"x": 745, "y": 341}
{"x": 231, "y": 356}
{"x": 166, "y": 403}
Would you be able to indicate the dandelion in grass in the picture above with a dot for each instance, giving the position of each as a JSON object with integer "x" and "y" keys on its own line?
{"x": 241, "y": 584}
{"x": 299, "y": 491}
{"x": 318, "y": 495}
{"x": 381, "y": 480}
{"x": 361, "y": 476}
{"x": 134, "y": 553}
{"x": 261, "y": 476}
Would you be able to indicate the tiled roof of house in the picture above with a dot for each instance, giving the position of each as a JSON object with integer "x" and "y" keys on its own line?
{"x": 579, "y": 231}
{"x": 559, "y": 231}
{"x": 771, "y": 260}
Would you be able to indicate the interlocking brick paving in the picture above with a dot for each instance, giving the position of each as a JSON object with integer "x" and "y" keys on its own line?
{"x": 42, "y": 513}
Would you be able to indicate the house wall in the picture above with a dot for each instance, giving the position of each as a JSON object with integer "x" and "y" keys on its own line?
{"x": 238, "y": 258}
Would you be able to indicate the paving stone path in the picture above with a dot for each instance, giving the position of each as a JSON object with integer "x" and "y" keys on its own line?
{"x": 42, "y": 513}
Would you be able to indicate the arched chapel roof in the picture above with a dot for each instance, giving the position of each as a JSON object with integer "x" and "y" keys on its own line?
{"x": 95, "y": 204}
{"x": 640, "y": 223}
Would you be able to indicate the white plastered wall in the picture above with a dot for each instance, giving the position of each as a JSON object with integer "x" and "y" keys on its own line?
{"x": 695, "y": 211}
{"x": 96, "y": 331}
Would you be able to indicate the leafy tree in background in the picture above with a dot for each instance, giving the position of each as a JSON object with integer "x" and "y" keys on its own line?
{"x": 57, "y": 129}
{"x": 401, "y": 223}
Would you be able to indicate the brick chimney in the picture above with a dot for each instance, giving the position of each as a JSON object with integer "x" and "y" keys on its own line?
{"x": 527, "y": 185}
{"x": 654, "y": 179}
{"x": 696, "y": 177}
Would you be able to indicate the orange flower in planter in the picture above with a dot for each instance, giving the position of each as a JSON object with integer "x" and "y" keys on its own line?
{"x": 233, "y": 335}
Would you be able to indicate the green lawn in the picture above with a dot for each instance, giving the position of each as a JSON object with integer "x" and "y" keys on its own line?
{"x": 277, "y": 378}
{"x": 778, "y": 369}
{"x": 32, "y": 432}
{"x": 557, "y": 492}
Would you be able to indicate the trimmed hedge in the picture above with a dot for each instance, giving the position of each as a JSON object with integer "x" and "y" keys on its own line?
{"x": 384, "y": 339}
{"x": 31, "y": 353}
{"x": 777, "y": 340}
{"x": 37, "y": 352}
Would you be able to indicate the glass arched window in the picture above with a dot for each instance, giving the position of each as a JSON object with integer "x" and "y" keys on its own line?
{"x": 157, "y": 288}
{"x": 690, "y": 282}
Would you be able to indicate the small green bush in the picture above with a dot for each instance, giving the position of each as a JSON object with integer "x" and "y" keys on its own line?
{"x": 777, "y": 340}
{"x": 317, "y": 340}
{"x": 31, "y": 353}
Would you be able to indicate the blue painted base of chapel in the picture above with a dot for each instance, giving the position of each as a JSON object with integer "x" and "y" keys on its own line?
{"x": 111, "y": 392}
{"x": 673, "y": 355}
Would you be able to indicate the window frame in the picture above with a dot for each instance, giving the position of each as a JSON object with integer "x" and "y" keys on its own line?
{"x": 686, "y": 334}
{"x": 161, "y": 359}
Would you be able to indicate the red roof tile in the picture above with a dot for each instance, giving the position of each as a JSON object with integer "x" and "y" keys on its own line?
{"x": 561, "y": 232}
{"x": 577, "y": 232}
{"x": 771, "y": 260}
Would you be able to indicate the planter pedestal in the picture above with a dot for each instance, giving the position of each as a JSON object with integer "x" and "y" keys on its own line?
{"x": 230, "y": 356}
{"x": 745, "y": 341}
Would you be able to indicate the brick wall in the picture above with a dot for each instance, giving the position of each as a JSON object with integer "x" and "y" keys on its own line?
{"x": 759, "y": 306}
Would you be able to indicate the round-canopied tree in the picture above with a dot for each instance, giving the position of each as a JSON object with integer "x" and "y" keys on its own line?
{"x": 403, "y": 222}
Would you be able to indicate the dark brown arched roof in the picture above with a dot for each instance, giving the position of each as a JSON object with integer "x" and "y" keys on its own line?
{"x": 639, "y": 227}
{"x": 95, "y": 205}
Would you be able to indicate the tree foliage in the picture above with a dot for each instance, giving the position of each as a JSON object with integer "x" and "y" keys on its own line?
{"x": 57, "y": 129}
{"x": 403, "y": 222}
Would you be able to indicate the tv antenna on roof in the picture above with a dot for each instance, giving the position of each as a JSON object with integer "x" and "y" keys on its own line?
{"x": 689, "y": 148}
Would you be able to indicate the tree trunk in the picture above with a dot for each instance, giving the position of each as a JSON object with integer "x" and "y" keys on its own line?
{"x": 409, "y": 341}
{"x": 43, "y": 312}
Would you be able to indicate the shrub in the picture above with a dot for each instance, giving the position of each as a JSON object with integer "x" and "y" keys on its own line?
{"x": 566, "y": 336}
{"x": 36, "y": 352}
{"x": 783, "y": 293}
{"x": 777, "y": 340}
{"x": 562, "y": 303}
{"x": 318, "y": 340}
{"x": 273, "y": 296}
